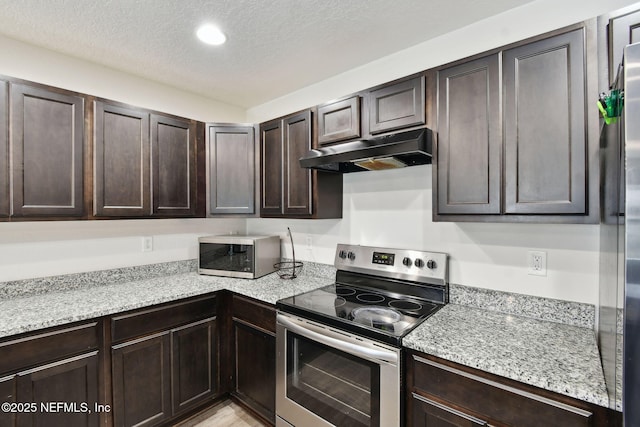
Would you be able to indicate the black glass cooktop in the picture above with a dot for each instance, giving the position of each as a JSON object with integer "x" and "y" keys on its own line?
{"x": 380, "y": 314}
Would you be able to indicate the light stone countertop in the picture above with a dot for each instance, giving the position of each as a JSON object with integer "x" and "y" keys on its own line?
{"x": 548, "y": 355}
{"x": 30, "y": 313}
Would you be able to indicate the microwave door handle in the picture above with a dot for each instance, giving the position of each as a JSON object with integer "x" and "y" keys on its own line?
{"x": 356, "y": 350}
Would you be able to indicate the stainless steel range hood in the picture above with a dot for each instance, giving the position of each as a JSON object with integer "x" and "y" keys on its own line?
{"x": 386, "y": 152}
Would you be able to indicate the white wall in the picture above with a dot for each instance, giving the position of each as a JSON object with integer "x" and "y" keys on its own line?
{"x": 393, "y": 208}
{"x": 45, "y": 248}
{"x": 529, "y": 20}
{"x": 29, "y": 62}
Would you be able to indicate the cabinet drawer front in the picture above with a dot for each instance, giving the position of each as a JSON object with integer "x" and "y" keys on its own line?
{"x": 48, "y": 347}
{"x": 504, "y": 404}
{"x": 257, "y": 314}
{"x": 145, "y": 322}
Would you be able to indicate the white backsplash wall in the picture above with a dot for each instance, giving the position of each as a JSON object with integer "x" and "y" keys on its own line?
{"x": 44, "y": 248}
{"x": 393, "y": 209}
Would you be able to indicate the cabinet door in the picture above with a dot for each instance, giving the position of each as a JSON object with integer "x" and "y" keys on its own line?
{"x": 623, "y": 30}
{"x": 142, "y": 381}
{"x": 8, "y": 395}
{"x": 397, "y": 105}
{"x": 72, "y": 382}
{"x": 173, "y": 164}
{"x": 470, "y": 138}
{"x": 230, "y": 169}
{"x": 4, "y": 151}
{"x": 544, "y": 125}
{"x": 194, "y": 364}
{"x": 272, "y": 156}
{"x": 297, "y": 180}
{"x": 339, "y": 120}
{"x": 255, "y": 352}
{"x": 47, "y": 134}
{"x": 121, "y": 150}
{"x": 428, "y": 413}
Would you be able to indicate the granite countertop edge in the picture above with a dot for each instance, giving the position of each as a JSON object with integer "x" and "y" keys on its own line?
{"x": 552, "y": 356}
{"x": 435, "y": 336}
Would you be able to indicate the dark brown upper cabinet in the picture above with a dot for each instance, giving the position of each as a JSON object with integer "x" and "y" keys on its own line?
{"x": 470, "y": 138}
{"x": 173, "y": 166}
{"x": 523, "y": 151}
{"x": 121, "y": 150}
{"x": 4, "y": 150}
{"x": 132, "y": 149}
{"x": 287, "y": 189}
{"x": 544, "y": 126}
{"x": 296, "y": 188}
{"x": 397, "y": 105}
{"x": 339, "y": 120}
{"x": 624, "y": 29}
{"x": 271, "y": 166}
{"x": 47, "y": 140}
{"x": 231, "y": 165}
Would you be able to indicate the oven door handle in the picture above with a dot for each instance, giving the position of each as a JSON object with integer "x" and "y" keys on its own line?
{"x": 355, "y": 349}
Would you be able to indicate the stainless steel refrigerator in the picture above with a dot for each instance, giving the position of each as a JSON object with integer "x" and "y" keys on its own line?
{"x": 619, "y": 303}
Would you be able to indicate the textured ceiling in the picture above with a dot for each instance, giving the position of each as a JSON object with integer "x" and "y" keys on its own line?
{"x": 273, "y": 48}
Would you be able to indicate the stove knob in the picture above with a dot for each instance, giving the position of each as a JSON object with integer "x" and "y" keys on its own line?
{"x": 431, "y": 264}
{"x": 351, "y": 255}
{"x": 407, "y": 261}
{"x": 342, "y": 254}
{"x": 419, "y": 263}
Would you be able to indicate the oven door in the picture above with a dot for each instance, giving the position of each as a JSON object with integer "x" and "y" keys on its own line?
{"x": 327, "y": 377}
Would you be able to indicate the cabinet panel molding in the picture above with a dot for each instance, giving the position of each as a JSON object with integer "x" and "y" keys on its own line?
{"x": 121, "y": 151}
{"x": 272, "y": 164}
{"x": 397, "y": 105}
{"x": 142, "y": 381}
{"x": 470, "y": 138}
{"x": 297, "y": 180}
{"x": 4, "y": 150}
{"x": 544, "y": 125}
{"x": 339, "y": 120}
{"x": 173, "y": 161}
{"x": 194, "y": 362}
{"x": 47, "y": 140}
{"x": 231, "y": 165}
{"x": 623, "y": 30}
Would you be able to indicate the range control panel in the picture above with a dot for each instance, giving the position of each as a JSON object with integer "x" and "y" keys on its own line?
{"x": 407, "y": 264}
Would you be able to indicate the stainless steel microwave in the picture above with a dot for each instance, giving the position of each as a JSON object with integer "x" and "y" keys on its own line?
{"x": 247, "y": 257}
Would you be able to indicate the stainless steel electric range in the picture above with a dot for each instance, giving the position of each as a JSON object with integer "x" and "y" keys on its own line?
{"x": 339, "y": 346}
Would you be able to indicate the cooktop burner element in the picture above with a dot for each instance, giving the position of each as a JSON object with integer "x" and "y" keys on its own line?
{"x": 377, "y": 292}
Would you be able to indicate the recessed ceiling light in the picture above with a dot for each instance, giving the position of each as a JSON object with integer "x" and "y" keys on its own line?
{"x": 211, "y": 35}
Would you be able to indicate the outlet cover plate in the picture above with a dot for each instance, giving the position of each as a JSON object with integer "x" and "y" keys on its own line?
{"x": 537, "y": 263}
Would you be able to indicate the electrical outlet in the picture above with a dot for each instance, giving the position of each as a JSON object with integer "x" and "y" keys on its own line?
{"x": 537, "y": 263}
{"x": 309, "y": 242}
{"x": 147, "y": 244}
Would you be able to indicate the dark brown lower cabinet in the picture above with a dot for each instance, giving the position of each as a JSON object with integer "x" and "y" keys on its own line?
{"x": 164, "y": 361}
{"x": 442, "y": 393}
{"x": 142, "y": 381}
{"x": 254, "y": 347}
{"x": 63, "y": 393}
{"x": 194, "y": 364}
{"x": 428, "y": 413}
{"x": 51, "y": 377}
